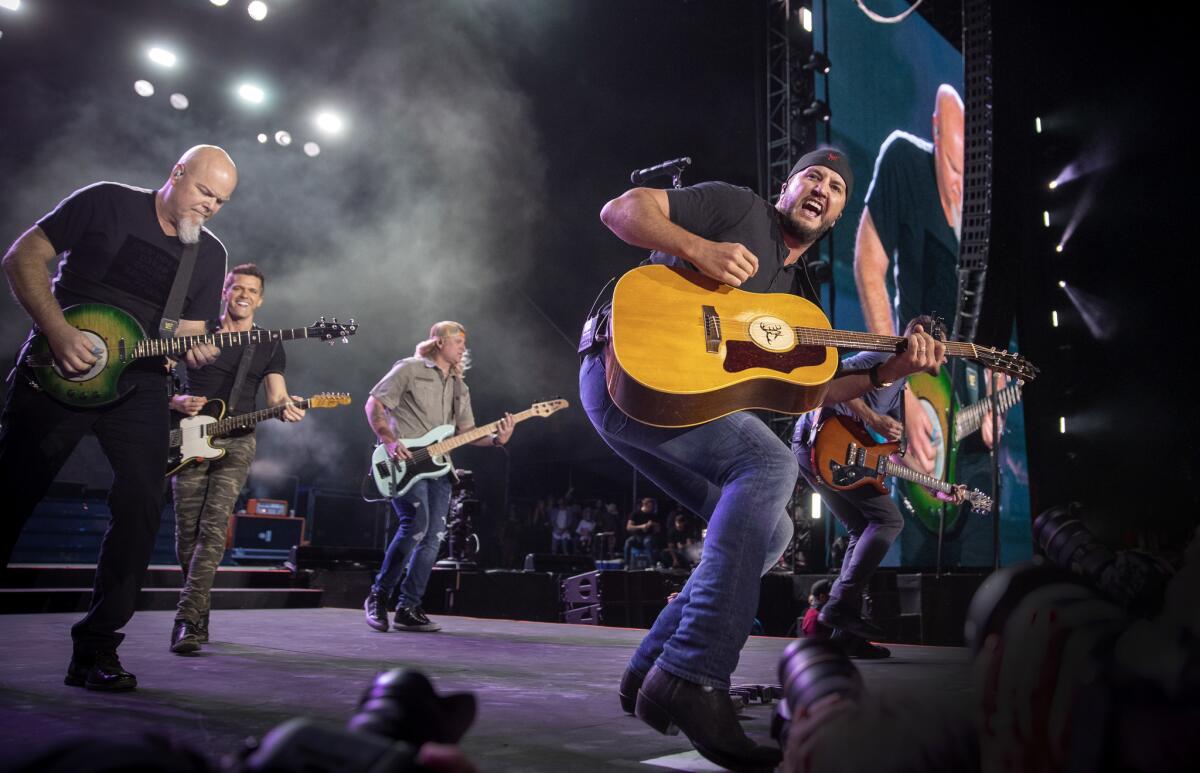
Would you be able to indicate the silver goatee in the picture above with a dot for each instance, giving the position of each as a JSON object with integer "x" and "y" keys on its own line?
{"x": 189, "y": 230}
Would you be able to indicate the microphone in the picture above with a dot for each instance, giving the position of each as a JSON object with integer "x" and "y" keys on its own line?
{"x": 665, "y": 169}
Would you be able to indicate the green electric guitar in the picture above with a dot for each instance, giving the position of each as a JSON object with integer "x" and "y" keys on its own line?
{"x": 118, "y": 339}
{"x": 951, "y": 425}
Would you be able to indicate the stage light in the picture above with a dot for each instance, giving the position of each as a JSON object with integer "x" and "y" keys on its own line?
{"x": 1037, "y": 124}
{"x": 219, "y": 3}
{"x": 10, "y": 5}
{"x": 262, "y": 139}
{"x": 257, "y": 10}
{"x": 329, "y": 122}
{"x": 283, "y": 138}
{"x": 1062, "y": 425}
{"x": 1046, "y": 219}
{"x": 161, "y": 56}
{"x": 1058, "y": 248}
{"x": 818, "y": 62}
{"x": 806, "y": 19}
{"x": 814, "y": 507}
{"x": 251, "y": 93}
{"x": 1062, "y": 284}
{"x": 1054, "y": 319}
{"x": 143, "y": 88}
{"x": 818, "y": 110}
{"x": 179, "y": 101}
{"x": 312, "y": 149}
{"x": 1053, "y": 184}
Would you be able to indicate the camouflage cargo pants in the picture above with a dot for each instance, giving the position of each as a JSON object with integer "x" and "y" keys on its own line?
{"x": 205, "y": 494}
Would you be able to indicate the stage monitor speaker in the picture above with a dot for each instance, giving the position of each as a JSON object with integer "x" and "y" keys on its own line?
{"x": 343, "y": 519}
{"x": 264, "y": 537}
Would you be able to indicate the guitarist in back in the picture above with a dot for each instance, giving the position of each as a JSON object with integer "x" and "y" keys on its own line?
{"x": 418, "y": 394}
{"x": 121, "y": 246}
{"x": 205, "y": 492}
{"x": 872, "y": 519}
{"x": 732, "y": 471}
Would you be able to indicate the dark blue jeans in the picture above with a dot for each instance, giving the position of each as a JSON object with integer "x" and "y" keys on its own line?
{"x": 422, "y": 527}
{"x": 738, "y": 476}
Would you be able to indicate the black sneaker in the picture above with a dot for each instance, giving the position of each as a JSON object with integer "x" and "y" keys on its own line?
{"x": 183, "y": 638}
{"x": 858, "y": 647}
{"x": 103, "y": 672}
{"x": 413, "y": 619}
{"x": 837, "y": 616}
{"x": 375, "y": 611}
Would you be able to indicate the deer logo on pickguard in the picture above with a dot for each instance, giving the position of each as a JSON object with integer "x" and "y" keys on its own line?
{"x": 772, "y": 334}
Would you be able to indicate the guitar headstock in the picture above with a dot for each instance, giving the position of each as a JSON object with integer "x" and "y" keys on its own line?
{"x": 1011, "y": 363}
{"x": 979, "y": 501}
{"x": 331, "y": 330}
{"x": 329, "y": 400}
{"x": 548, "y": 407}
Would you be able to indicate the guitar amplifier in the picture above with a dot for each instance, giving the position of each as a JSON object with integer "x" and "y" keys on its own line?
{"x": 263, "y": 537}
{"x": 267, "y": 507}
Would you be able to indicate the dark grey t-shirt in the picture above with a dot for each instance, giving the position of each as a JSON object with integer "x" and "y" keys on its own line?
{"x": 729, "y": 213}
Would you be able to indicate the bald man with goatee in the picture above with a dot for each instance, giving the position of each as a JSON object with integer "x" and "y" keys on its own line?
{"x": 118, "y": 245}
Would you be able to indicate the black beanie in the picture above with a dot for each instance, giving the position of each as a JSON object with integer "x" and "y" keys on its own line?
{"x": 830, "y": 158}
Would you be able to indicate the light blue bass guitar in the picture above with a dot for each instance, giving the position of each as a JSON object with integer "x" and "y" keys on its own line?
{"x": 431, "y": 451}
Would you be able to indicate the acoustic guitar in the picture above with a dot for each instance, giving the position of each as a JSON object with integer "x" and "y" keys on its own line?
{"x": 686, "y": 349}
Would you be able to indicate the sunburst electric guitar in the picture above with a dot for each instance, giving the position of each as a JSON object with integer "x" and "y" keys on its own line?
{"x": 118, "y": 339}
{"x": 431, "y": 451}
{"x": 686, "y": 349}
{"x": 951, "y": 425}
{"x": 191, "y": 436}
{"x": 845, "y": 456}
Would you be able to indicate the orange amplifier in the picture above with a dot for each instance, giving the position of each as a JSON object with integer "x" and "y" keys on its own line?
{"x": 267, "y": 507}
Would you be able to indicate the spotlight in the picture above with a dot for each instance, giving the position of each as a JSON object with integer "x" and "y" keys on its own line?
{"x": 161, "y": 56}
{"x": 10, "y": 5}
{"x": 219, "y": 3}
{"x": 806, "y": 19}
{"x": 251, "y": 93}
{"x": 329, "y": 122}
{"x": 262, "y": 139}
{"x": 283, "y": 138}
{"x": 1062, "y": 284}
{"x": 312, "y": 149}
{"x": 818, "y": 110}
{"x": 143, "y": 88}
{"x": 814, "y": 507}
{"x": 1053, "y": 184}
{"x": 818, "y": 62}
{"x": 179, "y": 101}
{"x": 1062, "y": 425}
{"x": 1058, "y": 248}
{"x": 1046, "y": 218}
{"x": 1037, "y": 124}
{"x": 1054, "y": 319}
{"x": 257, "y": 10}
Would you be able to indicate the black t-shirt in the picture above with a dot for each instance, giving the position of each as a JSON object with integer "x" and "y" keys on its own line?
{"x": 907, "y": 213}
{"x": 728, "y": 213}
{"x": 215, "y": 381}
{"x": 115, "y": 252}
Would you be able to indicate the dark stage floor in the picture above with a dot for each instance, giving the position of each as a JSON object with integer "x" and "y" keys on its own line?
{"x": 547, "y": 691}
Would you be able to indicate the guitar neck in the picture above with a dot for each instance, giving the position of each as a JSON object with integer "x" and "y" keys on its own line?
{"x": 970, "y": 419}
{"x": 471, "y": 435}
{"x": 871, "y": 342}
{"x": 247, "y": 420}
{"x": 173, "y": 347}
{"x": 907, "y": 473}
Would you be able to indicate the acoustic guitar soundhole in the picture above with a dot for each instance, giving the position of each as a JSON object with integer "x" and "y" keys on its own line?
{"x": 743, "y": 355}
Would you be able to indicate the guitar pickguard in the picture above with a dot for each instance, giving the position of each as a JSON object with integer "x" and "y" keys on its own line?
{"x": 743, "y": 355}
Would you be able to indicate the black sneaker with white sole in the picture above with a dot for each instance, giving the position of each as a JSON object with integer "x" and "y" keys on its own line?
{"x": 413, "y": 619}
{"x": 375, "y": 611}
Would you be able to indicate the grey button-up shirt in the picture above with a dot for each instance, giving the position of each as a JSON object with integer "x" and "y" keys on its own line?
{"x": 418, "y": 398}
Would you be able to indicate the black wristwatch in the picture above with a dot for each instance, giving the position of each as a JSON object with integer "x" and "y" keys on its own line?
{"x": 873, "y": 374}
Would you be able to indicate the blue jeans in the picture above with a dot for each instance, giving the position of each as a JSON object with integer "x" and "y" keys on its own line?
{"x": 422, "y": 526}
{"x": 738, "y": 476}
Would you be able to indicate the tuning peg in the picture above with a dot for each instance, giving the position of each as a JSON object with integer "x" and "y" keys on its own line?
{"x": 345, "y": 340}
{"x": 334, "y": 320}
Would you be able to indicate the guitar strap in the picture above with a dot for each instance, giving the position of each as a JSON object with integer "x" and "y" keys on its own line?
{"x": 454, "y": 401}
{"x": 183, "y": 275}
{"x": 240, "y": 378}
